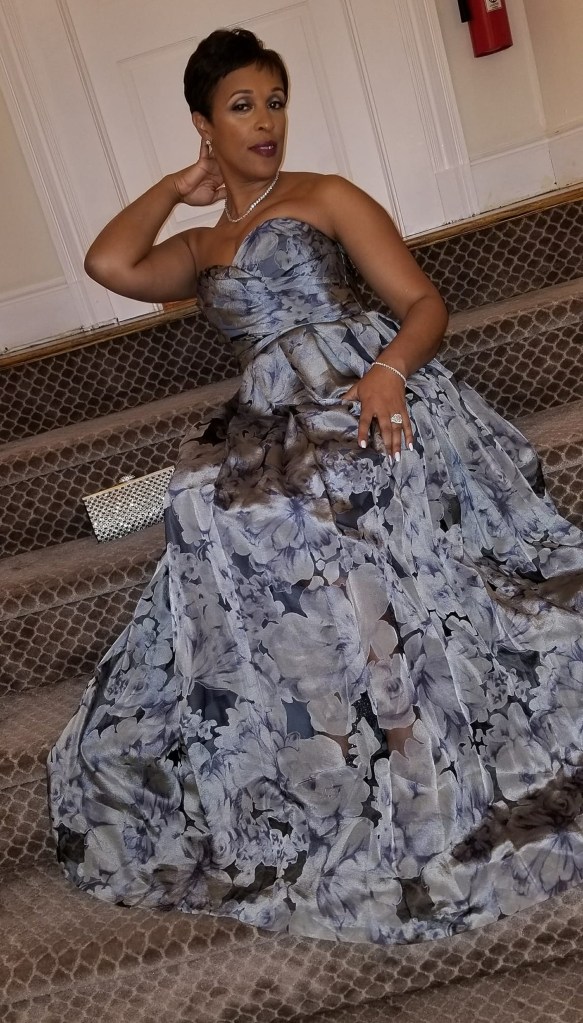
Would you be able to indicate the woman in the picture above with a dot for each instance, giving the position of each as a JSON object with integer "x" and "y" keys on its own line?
{"x": 348, "y": 705}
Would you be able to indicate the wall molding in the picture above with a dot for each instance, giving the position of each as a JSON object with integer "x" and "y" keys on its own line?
{"x": 30, "y": 290}
{"x": 98, "y": 121}
{"x": 514, "y": 174}
{"x": 438, "y": 107}
{"x": 25, "y": 312}
{"x": 532, "y": 168}
{"x": 394, "y": 205}
{"x": 67, "y": 227}
{"x": 566, "y": 151}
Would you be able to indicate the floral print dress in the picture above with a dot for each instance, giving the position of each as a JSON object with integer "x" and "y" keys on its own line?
{"x": 350, "y": 702}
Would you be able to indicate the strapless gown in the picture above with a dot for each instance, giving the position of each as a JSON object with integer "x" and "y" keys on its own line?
{"x": 350, "y": 702}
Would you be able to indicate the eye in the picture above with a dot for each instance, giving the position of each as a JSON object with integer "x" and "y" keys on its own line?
{"x": 241, "y": 105}
{"x": 277, "y": 104}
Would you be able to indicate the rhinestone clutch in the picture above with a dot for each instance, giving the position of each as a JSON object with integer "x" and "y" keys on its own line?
{"x": 130, "y": 505}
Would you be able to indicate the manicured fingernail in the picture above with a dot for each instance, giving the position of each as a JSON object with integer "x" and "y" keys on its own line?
{"x": 410, "y": 446}
{"x": 362, "y": 443}
{"x": 397, "y": 456}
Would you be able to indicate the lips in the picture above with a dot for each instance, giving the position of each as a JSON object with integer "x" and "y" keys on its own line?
{"x": 268, "y": 148}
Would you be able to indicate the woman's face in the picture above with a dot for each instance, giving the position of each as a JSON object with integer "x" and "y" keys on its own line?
{"x": 249, "y": 121}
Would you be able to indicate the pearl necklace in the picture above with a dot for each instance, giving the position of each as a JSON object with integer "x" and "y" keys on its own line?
{"x": 235, "y": 220}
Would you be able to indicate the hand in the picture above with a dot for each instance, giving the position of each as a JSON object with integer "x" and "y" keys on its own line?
{"x": 380, "y": 396}
{"x": 202, "y": 183}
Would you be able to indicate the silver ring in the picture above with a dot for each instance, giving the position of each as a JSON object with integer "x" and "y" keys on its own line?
{"x": 397, "y": 419}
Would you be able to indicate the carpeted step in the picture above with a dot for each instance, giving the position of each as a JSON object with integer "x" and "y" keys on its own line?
{"x": 557, "y": 434}
{"x": 511, "y": 257}
{"x": 66, "y": 952}
{"x": 30, "y": 722}
{"x": 49, "y": 474}
{"x": 524, "y": 354}
{"x": 61, "y": 608}
{"x": 544, "y": 993}
{"x": 25, "y": 832}
{"x": 112, "y": 375}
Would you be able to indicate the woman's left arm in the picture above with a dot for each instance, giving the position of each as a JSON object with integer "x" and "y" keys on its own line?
{"x": 371, "y": 240}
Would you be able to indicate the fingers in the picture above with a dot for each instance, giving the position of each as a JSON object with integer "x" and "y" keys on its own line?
{"x": 364, "y": 424}
{"x": 392, "y": 434}
{"x": 407, "y": 431}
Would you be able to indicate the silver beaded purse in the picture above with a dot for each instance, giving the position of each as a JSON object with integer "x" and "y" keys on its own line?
{"x": 130, "y": 505}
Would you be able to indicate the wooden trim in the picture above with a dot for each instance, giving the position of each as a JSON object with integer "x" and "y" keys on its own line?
{"x": 178, "y": 310}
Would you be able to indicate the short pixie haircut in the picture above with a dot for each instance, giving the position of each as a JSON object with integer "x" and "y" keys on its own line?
{"x": 216, "y": 56}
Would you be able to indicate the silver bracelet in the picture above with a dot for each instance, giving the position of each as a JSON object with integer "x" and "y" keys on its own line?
{"x": 392, "y": 369}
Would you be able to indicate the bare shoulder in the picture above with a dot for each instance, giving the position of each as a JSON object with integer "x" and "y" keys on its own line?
{"x": 349, "y": 207}
{"x": 368, "y": 234}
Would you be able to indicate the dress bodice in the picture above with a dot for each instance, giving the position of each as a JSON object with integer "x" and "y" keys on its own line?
{"x": 285, "y": 272}
{"x": 286, "y": 305}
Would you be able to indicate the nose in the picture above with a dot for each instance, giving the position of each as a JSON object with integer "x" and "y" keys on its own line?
{"x": 265, "y": 119}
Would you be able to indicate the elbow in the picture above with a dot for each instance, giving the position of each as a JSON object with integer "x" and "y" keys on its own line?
{"x": 104, "y": 271}
{"x": 94, "y": 267}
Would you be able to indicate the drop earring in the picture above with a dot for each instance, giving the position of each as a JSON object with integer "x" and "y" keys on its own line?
{"x": 210, "y": 146}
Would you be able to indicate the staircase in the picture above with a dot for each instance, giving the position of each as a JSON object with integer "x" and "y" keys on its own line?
{"x": 76, "y": 422}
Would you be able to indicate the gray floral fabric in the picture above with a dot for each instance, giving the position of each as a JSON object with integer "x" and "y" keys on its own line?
{"x": 349, "y": 704}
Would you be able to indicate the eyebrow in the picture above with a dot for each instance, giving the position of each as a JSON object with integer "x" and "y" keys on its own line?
{"x": 249, "y": 92}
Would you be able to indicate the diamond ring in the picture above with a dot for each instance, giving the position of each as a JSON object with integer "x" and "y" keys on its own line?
{"x": 397, "y": 419}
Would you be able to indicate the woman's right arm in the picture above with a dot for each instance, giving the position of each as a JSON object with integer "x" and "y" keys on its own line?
{"x": 125, "y": 258}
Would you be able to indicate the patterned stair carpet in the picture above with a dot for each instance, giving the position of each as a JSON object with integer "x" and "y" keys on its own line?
{"x": 76, "y": 422}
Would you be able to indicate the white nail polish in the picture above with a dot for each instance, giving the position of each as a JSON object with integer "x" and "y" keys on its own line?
{"x": 410, "y": 446}
{"x": 397, "y": 456}
{"x": 362, "y": 443}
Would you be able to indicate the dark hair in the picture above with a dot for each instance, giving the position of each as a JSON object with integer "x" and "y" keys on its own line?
{"x": 225, "y": 50}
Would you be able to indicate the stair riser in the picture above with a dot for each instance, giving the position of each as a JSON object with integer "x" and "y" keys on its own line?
{"x": 64, "y": 641}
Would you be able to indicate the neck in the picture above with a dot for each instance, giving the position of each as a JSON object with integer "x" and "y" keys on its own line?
{"x": 241, "y": 197}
